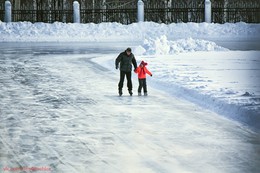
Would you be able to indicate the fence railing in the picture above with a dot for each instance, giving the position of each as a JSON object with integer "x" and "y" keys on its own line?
{"x": 175, "y": 15}
{"x": 46, "y": 16}
{"x": 126, "y": 14}
{"x": 2, "y": 15}
{"x": 232, "y": 15}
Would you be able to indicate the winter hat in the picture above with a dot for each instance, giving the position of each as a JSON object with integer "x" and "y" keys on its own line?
{"x": 129, "y": 49}
{"x": 143, "y": 63}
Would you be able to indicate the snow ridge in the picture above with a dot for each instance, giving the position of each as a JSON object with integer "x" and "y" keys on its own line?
{"x": 68, "y": 32}
{"x": 162, "y": 46}
{"x": 233, "y": 111}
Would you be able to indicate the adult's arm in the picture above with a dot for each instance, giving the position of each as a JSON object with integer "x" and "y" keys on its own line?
{"x": 118, "y": 60}
{"x": 134, "y": 62}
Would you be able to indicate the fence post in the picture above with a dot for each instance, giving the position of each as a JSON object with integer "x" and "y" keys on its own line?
{"x": 140, "y": 11}
{"x": 207, "y": 11}
{"x": 76, "y": 12}
{"x": 8, "y": 11}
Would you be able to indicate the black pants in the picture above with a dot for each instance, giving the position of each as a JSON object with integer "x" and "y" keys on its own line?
{"x": 122, "y": 78}
{"x": 142, "y": 84}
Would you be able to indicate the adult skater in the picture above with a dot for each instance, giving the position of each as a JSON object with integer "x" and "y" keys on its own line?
{"x": 125, "y": 59}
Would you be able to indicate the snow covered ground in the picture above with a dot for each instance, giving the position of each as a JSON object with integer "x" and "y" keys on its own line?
{"x": 60, "y": 111}
{"x": 59, "y": 100}
{"x": 226, "y": 82}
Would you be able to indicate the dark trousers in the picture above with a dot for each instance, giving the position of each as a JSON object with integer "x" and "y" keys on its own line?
{"x": 122, "y": 78}
{"x": 142, "y": 84}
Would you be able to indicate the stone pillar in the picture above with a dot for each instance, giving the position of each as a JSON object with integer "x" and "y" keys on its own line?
{"x": 76, "y": 12}
{"x": 207, "y": 11}
{"x": 8, "y": 11}
{"x": 140, "y": 11}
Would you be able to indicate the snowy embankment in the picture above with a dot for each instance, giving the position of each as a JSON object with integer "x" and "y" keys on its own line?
{"x": 211, "y": 76}
{"x": 204, "y": 73}
{"x": 62, "y": 32}
{"x": 184, "y": 60}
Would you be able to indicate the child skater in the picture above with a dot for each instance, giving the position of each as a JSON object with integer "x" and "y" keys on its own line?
{"x": 142, "y": 70}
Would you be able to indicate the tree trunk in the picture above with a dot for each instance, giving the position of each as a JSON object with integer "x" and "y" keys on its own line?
{"x": 49, "y": 8}
{"x": 35, "y": 10}
{"x": 225, "y": 15}
{"x": 104, "y": 9}
{"x": 64, "y": 7}
{"x": 17, "y": 6}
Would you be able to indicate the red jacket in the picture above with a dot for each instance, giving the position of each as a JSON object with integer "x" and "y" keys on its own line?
{"x": 142, "y": 72}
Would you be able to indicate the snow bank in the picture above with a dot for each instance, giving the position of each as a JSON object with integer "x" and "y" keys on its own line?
{"x": 246, "y": 113}
{"x": 162, "y": 46}
{"x": 60, "y": 32}
{"x": 221, "y": 81}
{"x": 68, "y": 32}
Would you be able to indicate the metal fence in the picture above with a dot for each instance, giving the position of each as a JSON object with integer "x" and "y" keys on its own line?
{"x": 175, "y": 15}
{"x": 2, "y": 12}
{"x": 156, "y": 11}
{"x": 46, "y": 16}
{"x": 124, "y": 16}
{"x": 232, "y": 15}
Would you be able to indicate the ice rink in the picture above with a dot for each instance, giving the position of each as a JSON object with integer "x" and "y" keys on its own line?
{"x": 59, "y": 109}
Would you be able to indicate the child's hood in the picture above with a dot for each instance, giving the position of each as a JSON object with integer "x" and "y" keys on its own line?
{"x": 143, "y": 63}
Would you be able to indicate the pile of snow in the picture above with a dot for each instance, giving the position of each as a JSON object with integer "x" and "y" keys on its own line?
{"x": 68, "y": 32}
{"x": 162, "y": 46}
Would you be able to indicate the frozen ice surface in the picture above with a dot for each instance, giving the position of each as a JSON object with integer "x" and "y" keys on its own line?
{"x": 60, "y": 109}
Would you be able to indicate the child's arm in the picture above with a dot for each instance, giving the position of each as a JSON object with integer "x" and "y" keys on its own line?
{"x": 137, "y": 70}
{"x": 148, "y": 72}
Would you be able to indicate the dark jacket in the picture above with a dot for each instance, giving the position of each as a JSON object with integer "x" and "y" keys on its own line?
{"x": 125, "y": 62}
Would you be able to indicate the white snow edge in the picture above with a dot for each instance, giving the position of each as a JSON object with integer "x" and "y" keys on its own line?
{"x": 236, "y": 112}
